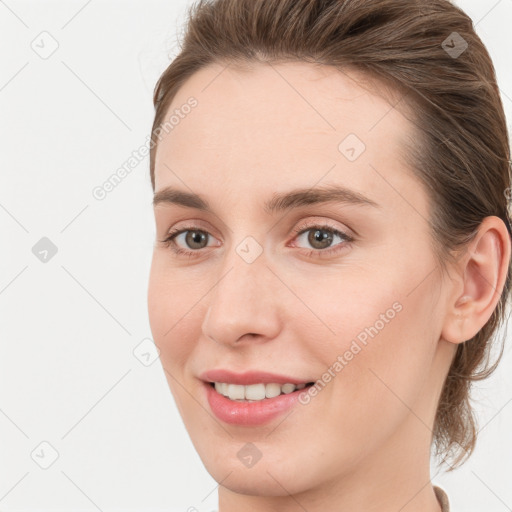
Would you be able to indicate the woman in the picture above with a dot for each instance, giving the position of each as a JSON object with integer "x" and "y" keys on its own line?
{"x": 333, "y": 254}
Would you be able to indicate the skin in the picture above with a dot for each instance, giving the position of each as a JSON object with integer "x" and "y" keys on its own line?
{"x": 363, "y": 443}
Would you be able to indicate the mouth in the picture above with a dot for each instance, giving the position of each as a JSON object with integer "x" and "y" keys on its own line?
{"x": 252, "y": 398}
{"x": 252, "y": 405}
{"x": 256, "y": 392}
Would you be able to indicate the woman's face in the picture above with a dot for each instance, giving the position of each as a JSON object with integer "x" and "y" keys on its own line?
{"x": 346, "y": 291}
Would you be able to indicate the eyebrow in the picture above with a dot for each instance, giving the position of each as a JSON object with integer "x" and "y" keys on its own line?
{"x": 278, "y": 203}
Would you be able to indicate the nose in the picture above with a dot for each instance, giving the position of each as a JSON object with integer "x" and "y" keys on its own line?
{"x": 244, "y": 303}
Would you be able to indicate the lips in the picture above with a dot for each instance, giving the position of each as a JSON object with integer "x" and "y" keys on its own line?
{"x": 250, "y": 377}
{"x": 250, "y": 412}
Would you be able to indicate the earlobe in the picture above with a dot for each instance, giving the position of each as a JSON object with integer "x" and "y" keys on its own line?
{"x": 481, "y": 273}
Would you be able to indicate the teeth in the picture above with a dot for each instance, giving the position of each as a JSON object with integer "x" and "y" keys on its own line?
{"x": 288, "y": 388}
{"x": 272, "y": 390}
{"x": 236, "y": 391}
{"x": 255, "y": 392}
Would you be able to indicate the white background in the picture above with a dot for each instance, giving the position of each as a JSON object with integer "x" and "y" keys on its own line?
{"x": 69, "y": 327}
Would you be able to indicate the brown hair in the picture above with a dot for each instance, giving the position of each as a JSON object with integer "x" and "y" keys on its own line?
{"x": 462, "y": 156}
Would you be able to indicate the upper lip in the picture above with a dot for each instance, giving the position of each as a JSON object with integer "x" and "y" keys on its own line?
{"x": 249, "y": 377}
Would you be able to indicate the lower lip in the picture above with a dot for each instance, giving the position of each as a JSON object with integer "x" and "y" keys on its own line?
{"x": 250, "y": 413}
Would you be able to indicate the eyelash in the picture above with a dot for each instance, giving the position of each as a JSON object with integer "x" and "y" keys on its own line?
{"x": 169, "y": 241}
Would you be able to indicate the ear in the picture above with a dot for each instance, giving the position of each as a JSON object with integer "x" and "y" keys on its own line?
{"x": 481, "y": 274}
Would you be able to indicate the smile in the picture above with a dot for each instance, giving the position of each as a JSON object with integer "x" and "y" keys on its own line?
{"x": 255, "y": 392}
{"x": 259, "y": 410}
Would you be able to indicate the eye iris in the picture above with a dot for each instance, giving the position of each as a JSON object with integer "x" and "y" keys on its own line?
{"x": 320, "y": 236}
{"x": 195, "y": 237}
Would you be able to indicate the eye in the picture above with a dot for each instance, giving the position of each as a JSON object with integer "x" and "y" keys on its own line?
{"x": 321, "y": 238}
{"x": 193, "y": 237}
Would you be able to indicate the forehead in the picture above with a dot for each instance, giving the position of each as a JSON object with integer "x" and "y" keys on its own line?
{"x": 281, "y": 123}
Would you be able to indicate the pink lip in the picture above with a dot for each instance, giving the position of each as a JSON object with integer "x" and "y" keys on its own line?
{"x": 250, "y": 413}
{"x": 249, "y": 377}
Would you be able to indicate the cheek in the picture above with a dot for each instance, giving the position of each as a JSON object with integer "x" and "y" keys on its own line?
{"x": 174, "y": 324}
{"x": 173, "y": 315}
{"x": 382, "y": 348}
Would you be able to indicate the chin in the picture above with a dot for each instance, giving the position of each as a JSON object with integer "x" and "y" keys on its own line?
{"x": 269, "y": 476}
{"x": 257, "y": 482}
